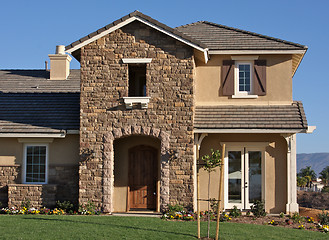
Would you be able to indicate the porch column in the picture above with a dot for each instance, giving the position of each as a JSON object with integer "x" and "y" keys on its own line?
{"x": 292, "y": 205}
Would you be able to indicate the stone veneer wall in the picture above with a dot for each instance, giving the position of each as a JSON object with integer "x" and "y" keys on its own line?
{"x": 39, "y": 195}
{"x": 8, "y": 175}
{"x": 66, "y": 177}
{"x": 104, "y": 81}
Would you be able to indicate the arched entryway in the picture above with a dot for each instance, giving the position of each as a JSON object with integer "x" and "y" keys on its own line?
{"x": 115, "y": 172}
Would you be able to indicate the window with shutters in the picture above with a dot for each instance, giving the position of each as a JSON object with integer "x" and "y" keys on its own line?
{"x": 244, "y": 79}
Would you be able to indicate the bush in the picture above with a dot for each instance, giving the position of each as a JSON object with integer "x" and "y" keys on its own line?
{"x": 325, "y": 189}
{"x": 214, "y": 205}
{"x": 26, "y": 204}
{"x": 67, "y": 206}
{"x": 235, "y": 212}
{"x": 297, "y": 218}
{"x": 258, "y": 209}
{"x": 88, "y": 209}
{"x": 175, "y": 208}
{"x": 324, "y": 218}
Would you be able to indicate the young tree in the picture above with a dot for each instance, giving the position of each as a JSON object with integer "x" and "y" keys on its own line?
{"x": 324, "y": 175}
{"x": 308, "y": 173}
{"x": 210, "y": 162}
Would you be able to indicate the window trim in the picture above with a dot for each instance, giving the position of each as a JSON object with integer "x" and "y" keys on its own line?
{"x": 25, "y": 160}
{"x": 237, "y": 92}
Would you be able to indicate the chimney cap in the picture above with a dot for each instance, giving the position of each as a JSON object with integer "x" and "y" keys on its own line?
{"x": 60, "y": 49}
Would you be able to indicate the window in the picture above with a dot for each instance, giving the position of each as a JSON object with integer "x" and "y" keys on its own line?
{"x": 244, "y": 77}
{"x": 137, "y": 92}
{"x": 35, "y": 163}
{"x": 137, "y": 80}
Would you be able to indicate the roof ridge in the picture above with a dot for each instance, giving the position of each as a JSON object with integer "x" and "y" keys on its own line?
{"x": 136, "y": 13}
{"x": 255, "y": 34}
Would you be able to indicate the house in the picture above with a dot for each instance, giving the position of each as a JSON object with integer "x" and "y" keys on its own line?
{"x": 124, "y": 131}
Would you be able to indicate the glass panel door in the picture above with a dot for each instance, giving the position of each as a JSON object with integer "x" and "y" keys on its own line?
{"x": 234, "y": 179}
{"x": 244, "y": 177}
{"x": 255, "y": 177}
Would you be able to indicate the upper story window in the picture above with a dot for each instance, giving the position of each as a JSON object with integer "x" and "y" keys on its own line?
{"x": 35, "y": 163}
{"x": 137, "y": 93}
{"x": 137, "y": 80}
{"x": 244, "y": 78}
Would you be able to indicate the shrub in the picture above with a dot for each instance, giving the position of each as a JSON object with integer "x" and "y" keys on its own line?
{"x": 26, "y": 204}
{"x": 88, "y": 209}
{"x": 175, "y": 208}
{"x": 67, "y": 206}
{"x": 235, "y": 212}
{"x": 325, "y": 189}
{"x": 214, "y": 205}
{"x": 258, "y": 209}
{"x": 297, "y": 218}
{"x": 281, "y": 215}
{"x": 324, "y": 218}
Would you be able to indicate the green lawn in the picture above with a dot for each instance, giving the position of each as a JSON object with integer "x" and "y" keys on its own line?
{"x": 110, "y": 227}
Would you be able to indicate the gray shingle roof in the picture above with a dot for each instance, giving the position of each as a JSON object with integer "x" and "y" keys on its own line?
{"x": 220, "y": 37}
{"x": 31, "y": 103}
{"x": 251, "y": 117}
{"x": 37, "y": 81}
{"x": 39, "y": 112}
{"x": 143, "y": 16}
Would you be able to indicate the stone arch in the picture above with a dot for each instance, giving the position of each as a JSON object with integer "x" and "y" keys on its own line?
{"x": 108, "y": 162}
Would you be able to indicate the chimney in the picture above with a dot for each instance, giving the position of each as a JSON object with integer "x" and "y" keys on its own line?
{"x": 59, "y": 64}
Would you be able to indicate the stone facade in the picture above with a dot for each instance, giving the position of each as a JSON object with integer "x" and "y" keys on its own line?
{"x": 8, "y": 175}
{"x": 66, "y": 178}
{"x": 104, "y": 118}
{"x": 38, "y": 195}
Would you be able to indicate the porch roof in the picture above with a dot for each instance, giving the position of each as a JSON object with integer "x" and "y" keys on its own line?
{"x": 276, "y": 117}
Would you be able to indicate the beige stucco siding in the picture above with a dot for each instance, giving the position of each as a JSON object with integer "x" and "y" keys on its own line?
{"x": 275, "y": 167}
{"x": 121, "y": 147}
{"x": 278, "y": 81}
{"x": 63, "y": 151}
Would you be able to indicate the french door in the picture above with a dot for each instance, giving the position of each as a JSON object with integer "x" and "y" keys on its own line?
{"x": 244, "y": 177}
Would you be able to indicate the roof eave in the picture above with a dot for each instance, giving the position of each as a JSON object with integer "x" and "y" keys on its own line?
{"x": 244, "y": 130}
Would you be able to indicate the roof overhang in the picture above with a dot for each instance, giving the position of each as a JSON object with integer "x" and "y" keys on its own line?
{"x": 33, "y": 135}
{"x": 249, "y": 130}
{"x": 137, "y": 18}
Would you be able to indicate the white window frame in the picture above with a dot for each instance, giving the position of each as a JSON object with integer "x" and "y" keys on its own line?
{"x": 240, "y": 146}
{"x": 25, "y": 162}
{"x": 237, "y": 92}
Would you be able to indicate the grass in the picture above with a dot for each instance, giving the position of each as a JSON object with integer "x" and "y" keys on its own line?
{"x": 111, "y": 227}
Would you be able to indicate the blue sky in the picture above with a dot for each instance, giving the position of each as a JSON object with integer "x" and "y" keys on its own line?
{"x": 30, "y": 30}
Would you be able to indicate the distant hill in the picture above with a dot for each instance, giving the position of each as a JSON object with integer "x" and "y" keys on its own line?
{"x": 318, "y": 161}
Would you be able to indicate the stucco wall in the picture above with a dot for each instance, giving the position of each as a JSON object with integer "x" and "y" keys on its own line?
{"x": 121, "y": 147}
{"x": 275, "y": 167}
{"x": 278, "y": 81}
{"x": 61, "y": 150}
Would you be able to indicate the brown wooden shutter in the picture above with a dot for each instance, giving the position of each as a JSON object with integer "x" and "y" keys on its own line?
{"x": 260, "y": 77}
{"x": 228, "y": 77}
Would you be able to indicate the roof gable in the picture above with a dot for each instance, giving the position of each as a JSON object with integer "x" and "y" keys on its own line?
{"x": 137, "y": 16}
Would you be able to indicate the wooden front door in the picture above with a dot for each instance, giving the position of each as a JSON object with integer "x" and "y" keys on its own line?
{"x": 142, "y": 177}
